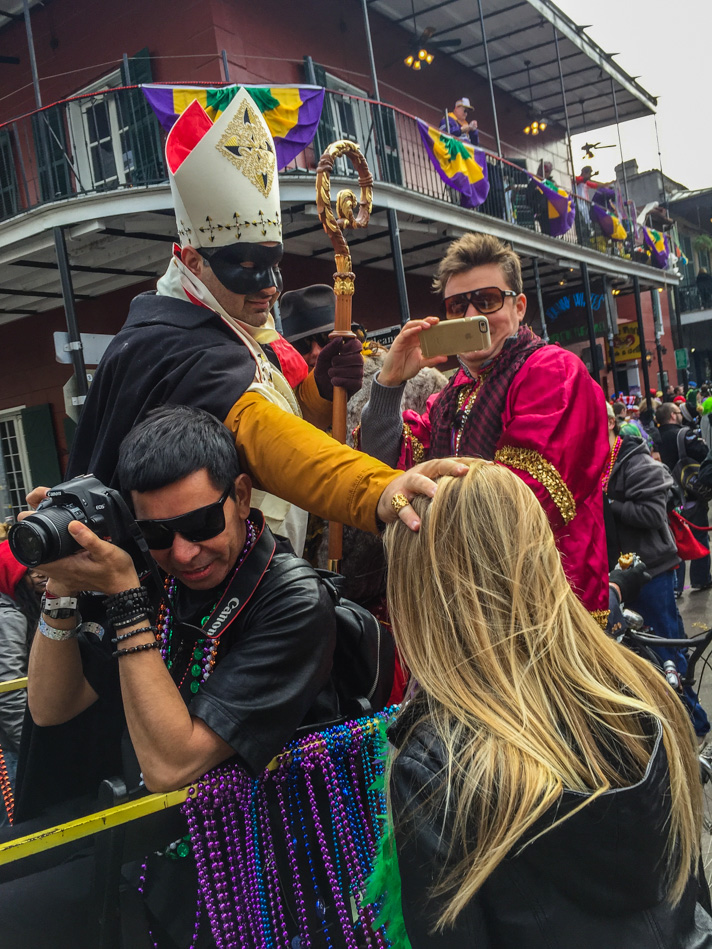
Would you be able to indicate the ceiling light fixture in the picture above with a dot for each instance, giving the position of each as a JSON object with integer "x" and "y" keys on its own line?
{"x": 423, "y": 58}
{"x": 537, "y": 124}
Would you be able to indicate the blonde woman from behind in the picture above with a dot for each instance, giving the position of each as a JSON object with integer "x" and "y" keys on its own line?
{"x": 543, "y": 787}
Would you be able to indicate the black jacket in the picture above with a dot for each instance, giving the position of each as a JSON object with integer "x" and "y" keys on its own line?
{"x": 594, "y": 881}
{"x": 637, "y": 494}
{"x": 706, "y": 470}
{"x": 168, "y": 352}
{"x": 695, "y": 446}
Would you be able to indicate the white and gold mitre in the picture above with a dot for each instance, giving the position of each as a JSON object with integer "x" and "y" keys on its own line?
{"x": 223, "y": 176}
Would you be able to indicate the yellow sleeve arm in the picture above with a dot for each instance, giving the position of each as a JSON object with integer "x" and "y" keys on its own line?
{"x": 294, "y": 460}
{"x": 314, "y": 409}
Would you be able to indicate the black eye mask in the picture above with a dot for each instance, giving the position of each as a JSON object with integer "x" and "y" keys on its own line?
{"x": 227, "y": 263}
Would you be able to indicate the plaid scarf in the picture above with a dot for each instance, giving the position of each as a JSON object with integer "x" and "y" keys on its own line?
{"x": 484, "y": 425}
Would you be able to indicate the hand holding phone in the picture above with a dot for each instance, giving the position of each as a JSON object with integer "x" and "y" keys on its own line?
{"x": 450, "y": 337}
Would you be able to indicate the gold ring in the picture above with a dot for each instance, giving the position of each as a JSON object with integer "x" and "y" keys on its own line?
{"x": 398, "y": 502}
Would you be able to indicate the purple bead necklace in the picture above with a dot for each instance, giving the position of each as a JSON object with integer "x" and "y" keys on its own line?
{"x": 317, "y": 842}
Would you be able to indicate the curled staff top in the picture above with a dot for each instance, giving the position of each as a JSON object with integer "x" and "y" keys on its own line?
{"x": 346, "y": 200}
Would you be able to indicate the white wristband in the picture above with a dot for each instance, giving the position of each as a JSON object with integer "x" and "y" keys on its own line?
{"x": 59, "y": 635}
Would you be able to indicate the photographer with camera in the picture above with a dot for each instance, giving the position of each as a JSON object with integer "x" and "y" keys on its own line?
{"x": 235, "y": 659}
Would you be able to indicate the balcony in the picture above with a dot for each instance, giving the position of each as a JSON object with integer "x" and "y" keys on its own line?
{"x": 111, "y": 143}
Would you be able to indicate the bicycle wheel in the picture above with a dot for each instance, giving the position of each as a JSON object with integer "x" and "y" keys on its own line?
{"x": 705, "y": 759}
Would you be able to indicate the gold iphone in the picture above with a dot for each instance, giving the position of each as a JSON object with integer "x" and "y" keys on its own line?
{"x": 450, "y": 337}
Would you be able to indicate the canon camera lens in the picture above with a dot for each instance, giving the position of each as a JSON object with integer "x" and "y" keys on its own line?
{"x": 43, "y": 536}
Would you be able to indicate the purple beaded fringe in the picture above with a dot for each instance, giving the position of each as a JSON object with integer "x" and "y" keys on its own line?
{"x": 283, "y": 859}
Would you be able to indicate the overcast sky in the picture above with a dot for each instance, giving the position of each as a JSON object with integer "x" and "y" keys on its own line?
{"x": 668, "y": 45}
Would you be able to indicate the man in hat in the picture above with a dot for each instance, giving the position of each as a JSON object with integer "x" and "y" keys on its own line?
{"x": 206, "y": 338}
{"x": 307, "y": 319}
{"x": 460, "y": 122}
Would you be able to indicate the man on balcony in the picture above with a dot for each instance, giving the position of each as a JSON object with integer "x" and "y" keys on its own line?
{"x": 206, "y": 338}
{"x": 460, "y": 122}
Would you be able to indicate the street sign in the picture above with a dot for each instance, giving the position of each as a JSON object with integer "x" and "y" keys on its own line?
{"x": 72, "y": 400}
{"x": 93, "y": 346}
{"x": 626, "y": 343}
{"x": 385, "y": 336}
{"x": 682, "y": 359}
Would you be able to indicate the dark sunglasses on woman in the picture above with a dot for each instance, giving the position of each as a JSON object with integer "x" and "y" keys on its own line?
{"x": 201, "y": 524}
{"x": 485, "y": 300}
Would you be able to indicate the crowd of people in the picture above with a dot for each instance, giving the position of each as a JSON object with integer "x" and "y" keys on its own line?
{"x": 542, "y": 783}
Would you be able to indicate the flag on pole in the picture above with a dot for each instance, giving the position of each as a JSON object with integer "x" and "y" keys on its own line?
{"x": 292, "y": 113}
{"x": 560, "y": 205}
{"x": 658, "y": 245}
{"x": 460, "y": 165}
{"x": 609, "y": 223}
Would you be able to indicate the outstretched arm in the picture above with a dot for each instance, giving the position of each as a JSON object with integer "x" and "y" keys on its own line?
{"x": 295, "y": 461}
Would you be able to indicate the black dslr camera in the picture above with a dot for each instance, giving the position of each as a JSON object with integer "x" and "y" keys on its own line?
{"x": 43, "y": 536}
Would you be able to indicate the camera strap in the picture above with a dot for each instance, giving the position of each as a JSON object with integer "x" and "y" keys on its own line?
{"x": 245, "y": 579}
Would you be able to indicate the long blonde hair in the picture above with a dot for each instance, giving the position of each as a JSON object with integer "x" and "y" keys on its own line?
{"x": 525, "y": 691}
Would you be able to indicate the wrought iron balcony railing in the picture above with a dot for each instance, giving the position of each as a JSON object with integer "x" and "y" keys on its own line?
{"x": 108, "y": 141}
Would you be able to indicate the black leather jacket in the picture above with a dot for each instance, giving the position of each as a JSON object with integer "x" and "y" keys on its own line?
{"x": 593, "y": 882}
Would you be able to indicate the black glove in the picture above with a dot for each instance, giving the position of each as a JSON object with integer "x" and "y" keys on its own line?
{"x": 630, "y": 581}
{"x": 340, "y": 363}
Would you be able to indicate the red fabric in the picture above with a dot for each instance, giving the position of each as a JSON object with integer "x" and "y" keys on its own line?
{"x": 188, "y": 129}
{"x": 11, "y": 570}
{"x": 688, "y": 546}
{"x": 555, "y": 408}
{"x": 294, "y": 368}
{"x": 401, "y": 675}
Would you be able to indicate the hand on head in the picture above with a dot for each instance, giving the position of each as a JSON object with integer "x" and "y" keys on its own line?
{"x": 417, "y": 480}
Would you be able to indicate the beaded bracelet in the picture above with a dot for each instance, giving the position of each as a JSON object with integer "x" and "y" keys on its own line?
{"x": 128, "y": 603}
{"x": 125, "y": 652}
{"x": 59, "y": 635}
{"x": 134, "y": 632}
{"x": 126, "y": 619}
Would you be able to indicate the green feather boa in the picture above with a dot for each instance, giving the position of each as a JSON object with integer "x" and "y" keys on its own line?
{"x": 383, "y": 887}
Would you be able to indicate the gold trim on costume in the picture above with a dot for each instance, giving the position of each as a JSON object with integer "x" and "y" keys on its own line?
{"x": 601, "y": 617}
{"x": 415, "y": 444}
{"x": 526, "y": 459}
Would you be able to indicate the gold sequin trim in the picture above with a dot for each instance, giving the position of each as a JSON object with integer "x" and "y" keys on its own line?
{"x": 416, "y": 445}
{"x": 526, "y": 459}
{"x": 601, "y": 617}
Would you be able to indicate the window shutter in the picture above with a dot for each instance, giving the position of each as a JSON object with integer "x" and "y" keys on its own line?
{"x": 41, "y": 445}
{"x": 51, "y": 149}
{"x": 326, "y": 131}
{"x": 144, "y": 133}
{"x": 9, "y": 203}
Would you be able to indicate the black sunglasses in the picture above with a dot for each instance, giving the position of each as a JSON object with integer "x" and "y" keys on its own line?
{"x": 201, "y": 524}
{"x": 485, "y": 300}
{"x": 303, "y": 345}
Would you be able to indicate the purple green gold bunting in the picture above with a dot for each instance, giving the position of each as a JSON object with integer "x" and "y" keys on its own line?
{"x": 560, "y": 205}
{"x": 609, "y": 223}
{"x": 658, "y": 246}
{"x": 460, "y": 165}
{"x": 292, "y": 113}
